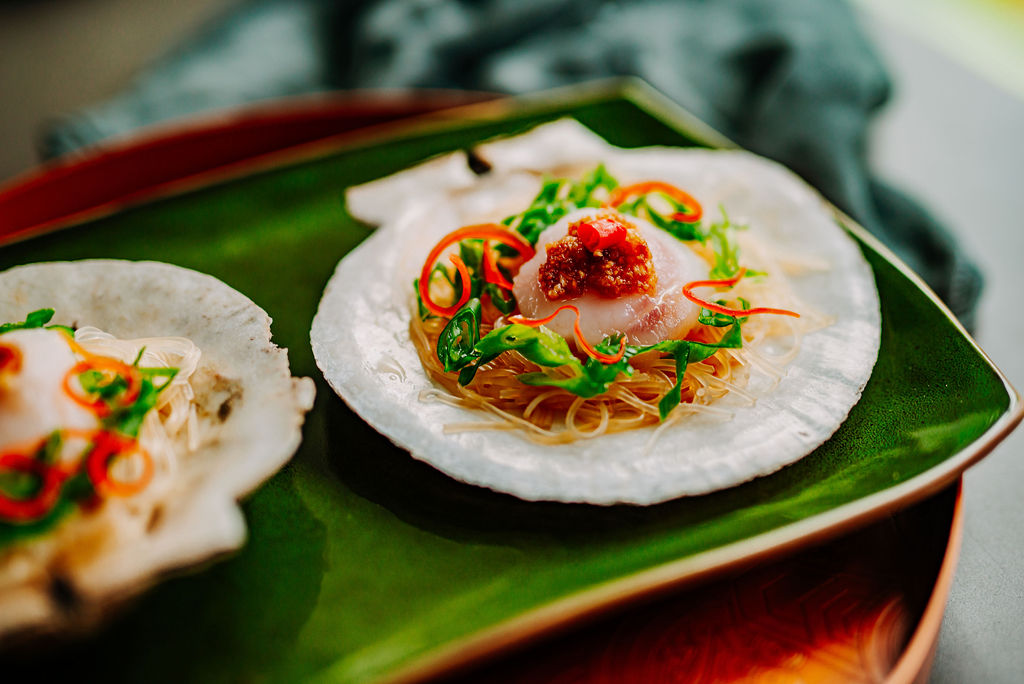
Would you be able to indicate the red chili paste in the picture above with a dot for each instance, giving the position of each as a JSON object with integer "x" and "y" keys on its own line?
{"x": 609, "y": 270}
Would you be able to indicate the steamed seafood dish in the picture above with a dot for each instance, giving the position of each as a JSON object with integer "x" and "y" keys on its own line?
{"x": 138, "y": 401}
{"x": 587, "y": 323}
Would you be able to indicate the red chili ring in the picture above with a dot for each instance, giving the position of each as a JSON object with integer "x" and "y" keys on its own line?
{"x": 98, "y": 406}
{"x": 97, "y": 465}
{"x": 36, "y": 507}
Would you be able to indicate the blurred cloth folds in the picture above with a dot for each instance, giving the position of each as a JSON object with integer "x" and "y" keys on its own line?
{"x": 796, "y": 81}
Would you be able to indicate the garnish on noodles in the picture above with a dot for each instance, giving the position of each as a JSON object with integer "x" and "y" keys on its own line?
{"x": 626, "y": 262}
{"x": 81, "y": 423}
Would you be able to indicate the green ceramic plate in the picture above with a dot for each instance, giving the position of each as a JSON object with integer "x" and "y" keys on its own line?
{"x": 366, "y": 565}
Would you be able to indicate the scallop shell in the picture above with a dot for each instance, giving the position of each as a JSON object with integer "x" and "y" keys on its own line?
{"x": 250, "y": 409}
{"x": 360, "y": 335}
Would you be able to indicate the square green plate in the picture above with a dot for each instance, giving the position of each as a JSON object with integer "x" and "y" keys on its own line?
{"x": 365, "y": 565}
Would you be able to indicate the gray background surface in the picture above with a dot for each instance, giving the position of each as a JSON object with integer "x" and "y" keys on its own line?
{"x": 949, "y": 136}
{"x": 956, "y": 142}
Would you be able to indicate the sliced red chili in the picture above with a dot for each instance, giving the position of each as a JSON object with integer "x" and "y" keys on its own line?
{"x": 50, "y": 478}
{"x": 492, "y": 273}
{"x": 718, "y": 308}
{"x": 96, "y": 404}
{"x": 693, "y": 208}
{"x": 601, "y": 232}
{"x": 485, "y": 231}
{"x": 109, "y": 447}
{"x": 588, "y": 348}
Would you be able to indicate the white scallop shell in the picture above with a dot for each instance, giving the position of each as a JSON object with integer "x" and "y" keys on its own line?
{"x": 360, "y": 335}
{"x": 245, "y": 393}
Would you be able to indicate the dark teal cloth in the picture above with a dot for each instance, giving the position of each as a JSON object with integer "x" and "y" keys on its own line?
{"x": 794, "y": 80}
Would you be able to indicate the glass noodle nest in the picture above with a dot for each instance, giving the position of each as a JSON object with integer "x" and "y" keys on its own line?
{"x": 552, "y": 415}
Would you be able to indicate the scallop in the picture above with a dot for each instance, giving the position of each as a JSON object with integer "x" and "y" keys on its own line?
{"x": 357, "y": 327}
{"x": 108, "y": 552}
{"x": 642, "y": 318}
{"x": 32, "y": 399}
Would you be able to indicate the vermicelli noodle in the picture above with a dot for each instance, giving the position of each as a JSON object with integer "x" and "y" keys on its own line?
{"x": 555, "y": 415}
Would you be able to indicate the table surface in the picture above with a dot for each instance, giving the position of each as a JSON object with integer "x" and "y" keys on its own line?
{"x": 972, "y": 181}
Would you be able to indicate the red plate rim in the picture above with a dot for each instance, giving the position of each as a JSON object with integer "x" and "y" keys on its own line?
{"x": 169, "y": 158}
